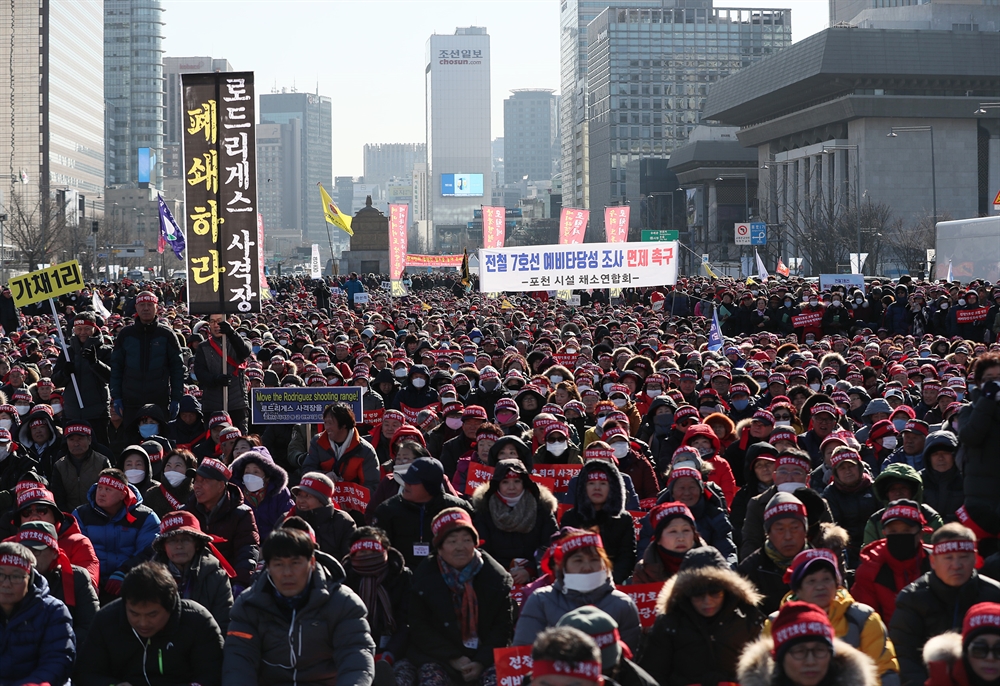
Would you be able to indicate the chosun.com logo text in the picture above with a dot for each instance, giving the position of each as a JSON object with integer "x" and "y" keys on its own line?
{"x": 460, "y": 61}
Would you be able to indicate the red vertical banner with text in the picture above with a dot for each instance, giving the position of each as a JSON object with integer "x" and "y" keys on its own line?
{"x": 398, "y": 216}
{"x": 572, "y": 226}
{"x": 616, "y": 223}
{"x": 494, "y": 226}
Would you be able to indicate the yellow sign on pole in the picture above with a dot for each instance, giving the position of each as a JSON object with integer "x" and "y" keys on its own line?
{"x": 46, "y": 283}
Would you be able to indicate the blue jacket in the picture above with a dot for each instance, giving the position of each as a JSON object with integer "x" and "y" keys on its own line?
{"x": 897, "y": 318}
{"x": 710, "y": 519}
{"x": 37, "y": 645}
{"x": 117, "y": 540}
{"x": 352, "y": 287}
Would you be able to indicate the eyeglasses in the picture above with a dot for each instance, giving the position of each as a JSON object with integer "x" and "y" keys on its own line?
{"x": 783, "y": 417}
{"x": 791, "y": 472}
{"x": 14, "y": 579}
{"x": 801, "y": 653}
{"x": 981, "y": 651}
{"x": 711, "y": 592}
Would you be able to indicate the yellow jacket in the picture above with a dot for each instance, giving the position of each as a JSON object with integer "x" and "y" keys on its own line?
{"x": 861, "y": 627}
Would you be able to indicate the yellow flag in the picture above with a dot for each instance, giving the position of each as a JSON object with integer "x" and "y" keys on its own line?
{"x": 332, "y": 212}
{"x": 709, "y": 271}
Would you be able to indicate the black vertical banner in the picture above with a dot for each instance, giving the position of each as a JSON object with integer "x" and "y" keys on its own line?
{"x": 221, "y": 193}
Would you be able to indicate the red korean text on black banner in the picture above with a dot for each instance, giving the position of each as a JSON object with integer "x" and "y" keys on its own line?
{"x": 221, "y": 193}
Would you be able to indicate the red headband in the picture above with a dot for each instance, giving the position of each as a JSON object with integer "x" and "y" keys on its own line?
{"x": 122, "y": 487}
{"x": 146, "y": 298}
{"x": 11, "y": 560}
{"x": 945, "y": 547}
{"x": 660, "y": 512}
{"x": 793, "y": 461}
{"x": 681, "y": 472}
{"x": 598, "y": 475}
{"x": 71, "y": 429}
{"x": 218, "y": 466}
{"x": 316, "y": 485}
{"x": 574, "y": 542}
{"x": 450, "y": 518}
{"x": 366, "y": 544}
{"x": 590, "y": 671}
{"x": 40, "y": 536}
{"x": 903, "y": 512}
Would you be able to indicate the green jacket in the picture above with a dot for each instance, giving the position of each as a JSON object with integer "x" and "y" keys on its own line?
{"x": 904, "y": 472}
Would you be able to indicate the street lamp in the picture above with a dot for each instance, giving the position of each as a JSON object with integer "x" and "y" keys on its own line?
{"x": 829, "y": 150}
{"x": 922, "y": 129}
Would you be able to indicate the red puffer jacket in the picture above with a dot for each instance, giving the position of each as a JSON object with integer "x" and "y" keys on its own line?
{"x": 77, "y": 547}
{"x": 880, "y": 577}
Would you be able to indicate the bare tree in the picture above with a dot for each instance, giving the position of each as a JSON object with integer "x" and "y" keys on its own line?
{"x": 36, "y": 226}
{"x": 908, "y": 243}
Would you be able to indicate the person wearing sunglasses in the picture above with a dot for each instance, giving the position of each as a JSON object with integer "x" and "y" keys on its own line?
{"x": 972, "y": 657}
{"x": 803, "y": 650}
{"x": 704, "y": 618}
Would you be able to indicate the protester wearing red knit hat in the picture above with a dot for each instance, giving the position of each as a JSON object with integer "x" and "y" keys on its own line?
{"x": 802, "y": 651}
{"x": 971, "y": 658}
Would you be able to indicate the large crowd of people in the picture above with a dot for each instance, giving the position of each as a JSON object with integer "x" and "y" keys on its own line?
{"x": 814, "y": 503}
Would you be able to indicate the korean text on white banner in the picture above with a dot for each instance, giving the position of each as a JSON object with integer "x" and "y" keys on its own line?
{"x": 220, "y": 170}
{"x": 315, "y": 270}
{"x": 398, "y": 218}
{"x": 572, "y": 226}
{"x": 494, "y": 226}
{"x": 593, "y": 265}
{"x": 848, "y": 281}
{"x": 616, "y": 223}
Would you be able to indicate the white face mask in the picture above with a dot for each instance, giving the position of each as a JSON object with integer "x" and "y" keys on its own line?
{"x": 511, "y": 502}
{"x": 253, "y": 482}
{"x": 135, "y": 476}
{"x": 5, "y": 423}
{"x": 790, "y": 487}
{"x": 889, "y": 442}
{"x": 815, "y": 386}
{"x": 174, "y": 478}
{"x": 22, "y": 409}
{"x": 782, "y": 422}
{"x": 557, "y": 449}
{"x": 453, "y": 423}
{"x": 322, "y": 365}
{"x": 419, "y": 382}
{"x": 607, "y": 388}
{"x": 585, "y": 583}
{"x": 555, "y": 378}
{"x": 601, "y": 420}
{"x": 653, "y": 392}
{"x": 620, "y": 402}
{"x": 620, "y": 449}
{"x": 57, "y": 408}
{"x": 961, "y": 301}
{"x": 399, "y": 373}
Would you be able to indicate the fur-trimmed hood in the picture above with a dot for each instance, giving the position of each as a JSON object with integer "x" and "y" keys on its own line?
{"x": 541, "y": 493}
{"x": 277, "y": 477}
{"x": 683, "y": 586}
{"x": 830, "y": 536}
{"x": 852, "y": 667}
{"x": 943, "y": 657}
{"x": 615, "y": 506}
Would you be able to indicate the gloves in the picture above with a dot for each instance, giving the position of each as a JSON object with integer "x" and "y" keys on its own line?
{"x": 174, "y": 408}
{"x": 113, "y": 585}
{"x": 89, "y": 354}
{"x": 226, "y": 328}
{"x": 223, "y": 379}
{"x": 991, "y": 389}
{"x": 119, "y": 407}
{"x": 69, "y": 367}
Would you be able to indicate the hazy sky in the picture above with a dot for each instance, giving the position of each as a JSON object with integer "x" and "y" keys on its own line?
{"x": 369, "y": 56}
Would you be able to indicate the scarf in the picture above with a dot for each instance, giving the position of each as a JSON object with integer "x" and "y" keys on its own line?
{"x": 779, "y": 560}
{"x": 373, "y": 567}
{"x": 256, "y": 498}
{"x": 238, "y": 366}
{"x": 670, "y": 560}
{"x": 519, "y": 519}
{"x": 463, "y": 595}
{"x": 174, "y": 503}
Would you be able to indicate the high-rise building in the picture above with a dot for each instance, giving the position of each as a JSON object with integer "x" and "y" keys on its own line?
{"x": 57, "y": 92}
{"x": 457, "y": 77}
{"x": 392, "y": 161}
{"x": 174, "y": 119}
{"x": 315, "y": 115}
{"x": 938, "y": 15}
{"x": 133, "y": 89}
{"x": 279, "y": 174}
{"x": 649, "y": 73}
{"x": 531, "y": 135}
{"x": 574, "y": 17}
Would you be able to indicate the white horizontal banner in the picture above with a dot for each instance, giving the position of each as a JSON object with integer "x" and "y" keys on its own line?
{"x": 583, "y": 266}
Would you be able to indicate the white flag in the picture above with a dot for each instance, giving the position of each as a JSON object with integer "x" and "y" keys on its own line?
{"x": 761, "y": 271}
{"x": 949, "y": 270}
{"x": 99, "y": 306}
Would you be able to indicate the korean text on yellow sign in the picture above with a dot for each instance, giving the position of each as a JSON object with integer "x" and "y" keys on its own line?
{"x": 46, "y": 283}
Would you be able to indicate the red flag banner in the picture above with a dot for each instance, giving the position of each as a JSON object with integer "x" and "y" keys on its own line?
{"x": 567, "y": 360}
{"x": 411, "y": 412}
{"x": 808, "y": 319}
{"x": 398, "y": 215}
{"x": 637, "y": 517}
{"x": 970, "y": 316}
{"x": 548, "y": 481}
{"x": 433, "y": 260}
{"x": 644, "y": 597}
{"x": 647, "y": 503}
{"x": 351, "y": 496}
{"x": 781, "y": 268}
{"x": 616, "y": 223}
{"x": 513, "y": 664}
{"x": 572, "y": 226}
{"x": 494, "y": 226}
{"x": 560, "y": 474}
{"x": 479, "y": 474}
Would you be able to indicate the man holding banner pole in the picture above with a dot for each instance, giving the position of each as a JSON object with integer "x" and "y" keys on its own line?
{"x": 222, "y": 384}
{"x": 89, "y": 361}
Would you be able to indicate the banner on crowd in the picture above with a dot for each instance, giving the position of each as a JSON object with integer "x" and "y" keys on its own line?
{"x": 315, "y": 267}
{"x": 43, "y": 284}
{"x": 560, "y": 474}
{"x": 494, "y": 226}
{"x": 637, "y": 517}
{"x": 434, "y": 261}
{"x": 594, "y": 265}
{"x": 398, "y": 215}
{"x": 644, "y": 596}
{"x": 572, "y": 226}
{"x": 848, "y": 281}
{"x": 220, "y": 170}
{"x": 351, "y": 496}
{"x": 616, "y": 223}
{"x": 807, "y": 319}
{"x": 971, "y": 315}
{"x": 512, "y": 664}
{"x": 300, "y": 405}
{"x": 478, "y": 475}
{"x": 411, "y": 413}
